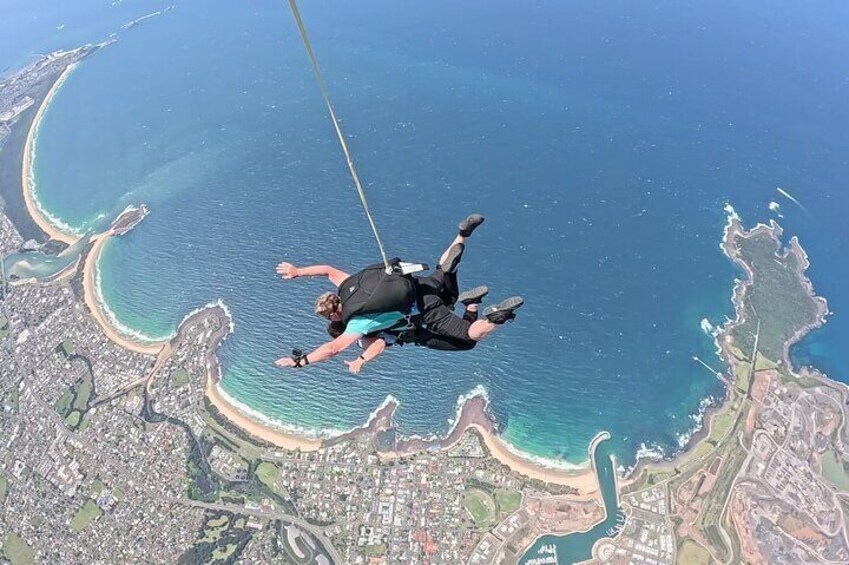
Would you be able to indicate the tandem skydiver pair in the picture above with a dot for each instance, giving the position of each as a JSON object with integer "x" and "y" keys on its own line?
{"x": 378, "y": 307}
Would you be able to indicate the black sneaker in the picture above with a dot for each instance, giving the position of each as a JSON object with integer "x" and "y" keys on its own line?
{"x": 453, "y": 258}
{"x": 504, "y": 310}
{"x": 468, "y": 225}
{"x": 473, "y": 296}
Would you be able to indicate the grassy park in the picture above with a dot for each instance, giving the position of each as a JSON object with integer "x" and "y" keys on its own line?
{"x": 88, "y": 513}
{"x": 17, "y": 551}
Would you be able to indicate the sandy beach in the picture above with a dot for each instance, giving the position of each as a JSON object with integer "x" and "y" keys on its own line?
{"x": 277, "y": 437}
{"x": 29, "y": 199}
{"x": 584, "y": 480}
{"x": 90, "y": 266}
{"x": 91, "y": 300}
{"x": 257, "y": 429}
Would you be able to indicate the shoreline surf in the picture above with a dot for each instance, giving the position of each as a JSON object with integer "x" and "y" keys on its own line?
{"x": 47, "y": 223}
{"x": 255, "y": 421}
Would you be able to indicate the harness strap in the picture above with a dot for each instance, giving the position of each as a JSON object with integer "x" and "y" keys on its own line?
{"x": 324, "y": 92}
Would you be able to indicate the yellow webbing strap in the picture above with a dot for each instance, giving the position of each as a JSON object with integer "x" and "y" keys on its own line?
{"x": 323, "y": 87}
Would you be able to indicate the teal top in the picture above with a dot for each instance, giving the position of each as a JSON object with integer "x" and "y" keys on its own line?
{"x": 368, "y": 323}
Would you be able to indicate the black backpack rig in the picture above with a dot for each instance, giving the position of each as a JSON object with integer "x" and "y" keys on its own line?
{"x": 377, "y": 289}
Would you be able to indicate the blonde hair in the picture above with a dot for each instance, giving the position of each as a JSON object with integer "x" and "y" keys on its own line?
{"x": 327, "y": 304}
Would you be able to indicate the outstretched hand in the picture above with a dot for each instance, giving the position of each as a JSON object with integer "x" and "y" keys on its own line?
{"x": 287, "y": 270}
{"x": 356, "y": 365}
{"x": 285, "y": 362}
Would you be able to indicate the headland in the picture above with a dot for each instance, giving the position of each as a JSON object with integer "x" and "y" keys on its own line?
{"x": 472, "y": 412}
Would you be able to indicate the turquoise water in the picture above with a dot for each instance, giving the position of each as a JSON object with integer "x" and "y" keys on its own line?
{"x": 577, "y": 547}
{"x": 601, "y": 140}
{"x": 41, "y": 266}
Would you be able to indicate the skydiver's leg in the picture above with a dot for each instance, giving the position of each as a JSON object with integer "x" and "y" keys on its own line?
{"x": 442, "y": 343}
{"x": 447, "y": 261}
{"x": 450, "y": 258}
{"x": 494, "y": 316}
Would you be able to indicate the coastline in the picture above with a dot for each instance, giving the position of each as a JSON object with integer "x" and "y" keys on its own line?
{"x": 218, "y": 397}
{"x": 526, "y": 464}
{"x": 722, "y": 336}
{"x": 585, "y": 480}
{"x": 54, "y": 232}
{"x": 93, "y": 302}
{"x": 32, "y": 205}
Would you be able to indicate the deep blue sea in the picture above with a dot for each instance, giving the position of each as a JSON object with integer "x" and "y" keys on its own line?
{"x": 601, "y": 140}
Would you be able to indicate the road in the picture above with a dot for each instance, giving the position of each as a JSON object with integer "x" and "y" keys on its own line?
{"x": 236, "y": 509}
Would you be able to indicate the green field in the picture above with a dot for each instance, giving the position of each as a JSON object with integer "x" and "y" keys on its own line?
{"x": 11, "y": 398}
{"x": 481, "y": 507}
{"x": 72, "y": 420}
{"x": 74, "y": 402}
{"x": 4, "y": 488}
{"x": 223, "y": 554}
{"x": 377, "y": 550}
{"x": 63, "y": 405}
{"x": 181, "y": 377}
{"x": 214, "y": 528}
{"x": 82, "y": 392}
{"x": 268, "y": 474}
{"x": 833, "y": 471}
{"x": 66, "y": 348}
{"x": 508, "y": 501}
{"x": 96, "y": 488}
{"x": 17, "y": 551}
{"x": 85, "y": 516}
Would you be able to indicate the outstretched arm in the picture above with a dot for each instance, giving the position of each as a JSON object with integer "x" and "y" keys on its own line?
{"x": 323, "y": 353}
{"x": 374, "y": 349}
{"x": 289, "y": 271}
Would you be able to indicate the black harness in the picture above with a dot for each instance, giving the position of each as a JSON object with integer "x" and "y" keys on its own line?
{"x": 374, "y": 290}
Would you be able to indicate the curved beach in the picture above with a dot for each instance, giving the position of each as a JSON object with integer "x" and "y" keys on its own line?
{"x": 280, "y": 438}
{"x": 33, "y": 208}
{"x": 93, "y": 302}
{"x": 583, "y": 480}
{"x": 55, "y": 233}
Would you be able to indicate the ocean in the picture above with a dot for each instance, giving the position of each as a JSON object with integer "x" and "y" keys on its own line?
{"x": 601, "y": 140}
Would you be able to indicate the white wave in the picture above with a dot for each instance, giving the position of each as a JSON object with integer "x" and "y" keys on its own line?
{"x": 650, "y": 453}
{"x": 386, "y": 402}
{"x": 478, "y": 391}
{"x": 114, "y": 322}
{"x": 30, "y": 173}
{"x": 698, "y": 421}
{"x": 311, "y": 433}
{"x": 707, "y": 327}
{"x": 544, "y": 462}
{"x": 219, "y": 303}
{"x": 733, "y": 217}
{"x": 774, "y": 206}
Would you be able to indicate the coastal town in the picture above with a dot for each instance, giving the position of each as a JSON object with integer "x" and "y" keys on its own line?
{"x": 113, "y": 450}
